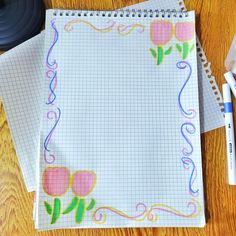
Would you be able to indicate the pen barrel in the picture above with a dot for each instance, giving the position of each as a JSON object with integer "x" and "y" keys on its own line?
{"x": 230, "y": 143}
{"x": 229, "y": 127}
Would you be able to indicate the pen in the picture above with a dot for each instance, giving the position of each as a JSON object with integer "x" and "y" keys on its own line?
{"x": 231, "y": 81}
{"x": 229, "y": 127}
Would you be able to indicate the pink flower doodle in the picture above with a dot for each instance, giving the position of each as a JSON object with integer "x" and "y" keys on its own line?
{"x": 184, "y": 32}
{"x": 83, "y": 184}
{"x": 56, "y": 180}
{"x": 55, "y": 183}
{"x": 161, "y": 34}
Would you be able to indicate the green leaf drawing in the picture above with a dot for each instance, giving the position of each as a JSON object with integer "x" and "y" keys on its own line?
{"x": 48, "y": 208}
{"x": 91, "y": 205}
{"x": 153, "y": 52}
{"x": 80, "y": 211}
{"x": 71, "y": 206}
{"x": 160, "y": 55}
{"x": 191, "y": 49}
{"x": 185, "y": 50}
{"x": 178, "y": 47}
{"x": 56, "y": 210}
{"x": 168, "y": 51}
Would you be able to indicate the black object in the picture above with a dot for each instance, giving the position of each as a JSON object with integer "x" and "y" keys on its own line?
{"x": 19, "y": 21}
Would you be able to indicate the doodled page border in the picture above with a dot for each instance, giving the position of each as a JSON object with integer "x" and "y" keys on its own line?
{"x": 206, "y": 65}
{"x": 148, "y": 212}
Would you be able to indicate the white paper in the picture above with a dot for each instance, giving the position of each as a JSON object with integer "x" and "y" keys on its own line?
{"x": 29, "y": 77}
{"x": 113, "y": 111}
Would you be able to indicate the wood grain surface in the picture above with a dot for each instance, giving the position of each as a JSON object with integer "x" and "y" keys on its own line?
{"x": 216, "y": 25}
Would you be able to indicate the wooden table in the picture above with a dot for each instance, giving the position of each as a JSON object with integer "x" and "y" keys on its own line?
{"x": 216, "y": 25}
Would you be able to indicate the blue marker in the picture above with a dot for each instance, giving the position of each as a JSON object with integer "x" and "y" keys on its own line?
{"x": 229, "y": 127}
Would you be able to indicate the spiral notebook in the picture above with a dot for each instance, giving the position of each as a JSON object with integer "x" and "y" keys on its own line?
{"x": 120, "y": 136}
{"x": 21, "y": 68}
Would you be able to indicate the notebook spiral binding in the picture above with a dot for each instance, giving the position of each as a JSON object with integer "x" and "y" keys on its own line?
{"x": 207, "y": 68}
{"x": 123, "y": 13}
{"x": 182, "y": 5}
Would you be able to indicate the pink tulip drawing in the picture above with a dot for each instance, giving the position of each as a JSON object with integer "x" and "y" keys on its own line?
{"x": 82, "y": 185}
{"x": 184, "y": 32}
{"x": 55, "y": 183}
{"x": 56, "y": 180}
{"x": 161, "y": 34}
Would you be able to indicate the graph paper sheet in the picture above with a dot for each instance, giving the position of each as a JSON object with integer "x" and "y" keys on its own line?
{"x": 120, "y": 136}
{"x": 20, "y": 88}
{"x": 25, "y": 142}
{"x": 21, "y": 91}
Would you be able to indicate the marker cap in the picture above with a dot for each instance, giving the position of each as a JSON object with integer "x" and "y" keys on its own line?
{"x": 231, "y": 81}
{"x": 230, "y": 61}
{"x": 229, "y": 77}
{"x": 226, "y": 93}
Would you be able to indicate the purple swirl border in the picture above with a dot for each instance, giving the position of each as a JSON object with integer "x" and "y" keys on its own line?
{"x": 51, "y": 74}
{"x": 52, "y": 87}
{"x": 53, "y": 64}
{"x": 56, "y": 117}
{"x": 188, "y": 162}
{"x": 99, "y": 216}
{"x": 187, "y": 127}
{"x": 190, "y": 113}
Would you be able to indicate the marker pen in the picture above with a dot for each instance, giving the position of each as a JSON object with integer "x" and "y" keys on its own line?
{"x": 229, "y": 127}
{"x": 231, "y": 81}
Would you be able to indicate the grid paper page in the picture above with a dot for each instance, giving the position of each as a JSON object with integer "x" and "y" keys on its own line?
{"x": 20, "y": 84}
{"x": 211, "y": 116}
{"x": 211, "y": 113}
{"x": 23, "y": 82}
{"x": 120, "y": 129}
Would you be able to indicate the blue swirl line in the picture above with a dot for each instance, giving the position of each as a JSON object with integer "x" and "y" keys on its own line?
{"x": 47, "y": 140}
{"x": 183, "y": 65}
{"x": 54, "y": 63}
{"x": 52, "y": 89}
{"x": 186, "y": 162}
{"x": 185, "y": 152}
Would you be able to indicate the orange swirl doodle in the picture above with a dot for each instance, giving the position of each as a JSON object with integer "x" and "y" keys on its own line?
{"x": 125, "y": 30}
{"x": 69, "y": 26}
{"x": 100, "y": 216}
{"x": 194, "y": 205}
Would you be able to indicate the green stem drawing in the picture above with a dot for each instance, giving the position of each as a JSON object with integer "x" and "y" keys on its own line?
{"x": 160, "y": 53}
{"x": 80, "y": 206}
{"x": 185, "y": 50}
{"x": 56, "y": 210}
{"x": 80, "y": 211}
{"x": 71, "y": 206}
{"x": 76, "y": 203}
